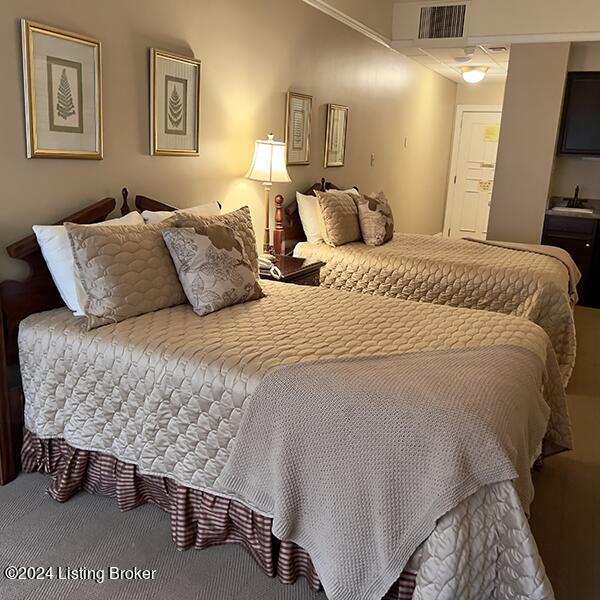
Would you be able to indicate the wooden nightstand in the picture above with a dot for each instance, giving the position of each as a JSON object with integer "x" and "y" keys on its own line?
{"x": 300, "y": 271}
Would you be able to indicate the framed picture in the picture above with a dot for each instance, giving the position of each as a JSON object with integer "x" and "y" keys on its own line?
{"x": 297, "y": 128}
{"x": 174, "y": 104}
{"x": 63, "y": 93}
{"x": 335, "y": 138}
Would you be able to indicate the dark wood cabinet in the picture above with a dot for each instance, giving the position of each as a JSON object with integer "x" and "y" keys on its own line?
{"x": 579, "y": 236}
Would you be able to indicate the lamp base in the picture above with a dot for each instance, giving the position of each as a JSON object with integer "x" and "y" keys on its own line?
{"x": 267, "y": 236}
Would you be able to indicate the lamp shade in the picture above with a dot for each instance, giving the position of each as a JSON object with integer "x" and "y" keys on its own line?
{"x": 268, "y": 164}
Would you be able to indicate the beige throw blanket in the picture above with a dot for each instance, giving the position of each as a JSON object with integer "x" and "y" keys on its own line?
{"x": 552, "y": 251}
{"x": 357, "y": 458}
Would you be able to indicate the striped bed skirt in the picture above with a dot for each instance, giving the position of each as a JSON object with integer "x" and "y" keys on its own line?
{"x": 198, "y": 519}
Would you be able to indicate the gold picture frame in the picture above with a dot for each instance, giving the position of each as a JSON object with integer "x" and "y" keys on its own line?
{"x": 175, "y": 84}
{"x": 298, "y": 122}
{"x": 58, "y": 121}
{"x": 335, "y": 137}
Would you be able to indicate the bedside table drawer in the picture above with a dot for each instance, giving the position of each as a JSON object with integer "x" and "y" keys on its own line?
{"x": 313, "y": 279}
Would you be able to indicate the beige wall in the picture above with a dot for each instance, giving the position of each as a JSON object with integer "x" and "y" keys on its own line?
{"x": 376, "y": 14}
{"x": 531, "y": 114}
{"x": 480, "y": 93}
{"x": 250, "y": 59}
{"x": 572, "y": 171}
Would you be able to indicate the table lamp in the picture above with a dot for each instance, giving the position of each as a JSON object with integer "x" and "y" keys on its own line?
{"x": 268, "y": 166}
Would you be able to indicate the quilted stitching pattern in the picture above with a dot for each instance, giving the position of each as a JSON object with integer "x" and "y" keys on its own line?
{"x": 340, "y": 218}
{"x": 483, "y": 550}
{"x": 172, "y": 401}
{"x": 125, "y": 271}
{"x": 458, "y": 273}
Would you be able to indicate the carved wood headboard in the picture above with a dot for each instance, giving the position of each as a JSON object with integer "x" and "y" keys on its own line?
{"x": 18, "y": 300}
{"x": 288, "y": 227}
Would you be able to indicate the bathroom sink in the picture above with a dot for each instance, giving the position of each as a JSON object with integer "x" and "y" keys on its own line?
{"x": 567, "y": 209}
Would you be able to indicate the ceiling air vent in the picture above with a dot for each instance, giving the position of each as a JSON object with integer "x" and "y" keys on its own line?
{"x": 442, "y": 22}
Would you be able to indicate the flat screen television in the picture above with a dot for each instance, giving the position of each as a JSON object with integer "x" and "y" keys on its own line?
{"x": 580, "y": 127}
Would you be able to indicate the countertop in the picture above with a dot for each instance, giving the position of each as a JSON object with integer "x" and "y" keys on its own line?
{"x": 571, "y": 215}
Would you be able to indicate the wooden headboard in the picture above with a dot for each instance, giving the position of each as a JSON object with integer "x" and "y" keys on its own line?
{"x": 143, "y": 203}
{"x": 288, "y": 227}
{"x": 18, "y": 300}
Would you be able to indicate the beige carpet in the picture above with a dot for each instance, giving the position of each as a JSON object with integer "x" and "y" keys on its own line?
{"x": 566, "y": 510}
{"x": 89, "y": 531}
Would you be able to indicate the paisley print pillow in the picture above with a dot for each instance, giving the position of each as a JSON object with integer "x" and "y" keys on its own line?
{"x": 212, "y": 267}
{"x": 376, "y": 219}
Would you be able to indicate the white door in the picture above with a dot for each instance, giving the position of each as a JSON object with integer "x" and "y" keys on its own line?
{"x": 471, "y": 185}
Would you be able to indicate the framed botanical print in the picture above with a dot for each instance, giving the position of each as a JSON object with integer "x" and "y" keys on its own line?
{"x": 63, "y": 93}
{"x": 335, "y": 138}
{"x": 297, "y": 128}
{"x": 174, "y": 104}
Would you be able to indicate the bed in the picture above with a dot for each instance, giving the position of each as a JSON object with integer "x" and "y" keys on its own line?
{"x": 454, "y": 272}
{"x": 156, "y": 419}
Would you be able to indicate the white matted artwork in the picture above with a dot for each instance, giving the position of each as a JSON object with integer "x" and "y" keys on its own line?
{"x": 335, "y": 138}
{"x": 174, "y": 104}
{"x": 63, "y": 93}
{"x": 297, "y": 128}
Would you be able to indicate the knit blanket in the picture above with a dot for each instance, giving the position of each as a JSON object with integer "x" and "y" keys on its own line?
{"x": 356, "y": 459}
{"x": 559, "y": 254}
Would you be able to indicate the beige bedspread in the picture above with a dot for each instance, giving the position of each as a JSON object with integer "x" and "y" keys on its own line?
{"x": 166, "y": 391}
{"x": 458, "y": 273}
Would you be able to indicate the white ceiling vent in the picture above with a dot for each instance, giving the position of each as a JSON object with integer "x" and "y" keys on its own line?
{"x": 445, "y": 21}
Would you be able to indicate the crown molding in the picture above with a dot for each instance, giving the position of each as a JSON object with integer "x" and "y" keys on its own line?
{"x": 342, "y": 17}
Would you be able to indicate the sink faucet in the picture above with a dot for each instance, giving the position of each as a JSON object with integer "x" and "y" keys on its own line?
{"x": 575, "y": 202}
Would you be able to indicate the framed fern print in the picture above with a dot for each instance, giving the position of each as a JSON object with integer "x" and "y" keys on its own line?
{"x": 174, "y": 104}
{"x": 63, "y": 93}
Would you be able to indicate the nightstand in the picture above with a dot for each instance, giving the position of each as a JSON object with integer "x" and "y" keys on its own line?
{"x": 300, "y": 271}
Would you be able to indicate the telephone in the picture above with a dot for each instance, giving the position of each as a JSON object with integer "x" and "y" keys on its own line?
{"x": 266, "y": 263}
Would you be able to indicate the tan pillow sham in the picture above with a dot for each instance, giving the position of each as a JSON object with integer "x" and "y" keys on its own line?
{"x": 240, "y": 221}
{"x": 339, "y": 216}
{"x": 376, "y": 219}
{"x": 125, "y": 271}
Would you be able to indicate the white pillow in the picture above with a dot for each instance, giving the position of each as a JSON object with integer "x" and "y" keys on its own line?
{"x": 204, "y": 210}
{"x": 310, "y": 217}
{"x": 56, "y": 250}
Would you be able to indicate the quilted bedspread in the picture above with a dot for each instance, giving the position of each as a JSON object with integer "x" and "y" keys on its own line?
{"x": 458, "y": 273}
{"x": 167, "y": 390}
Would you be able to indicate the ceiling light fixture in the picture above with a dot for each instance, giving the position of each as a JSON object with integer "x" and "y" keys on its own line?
{"x": 474, "y": 74}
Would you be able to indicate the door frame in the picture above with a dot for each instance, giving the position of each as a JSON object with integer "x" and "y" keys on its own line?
{"x": 461, "y": 109}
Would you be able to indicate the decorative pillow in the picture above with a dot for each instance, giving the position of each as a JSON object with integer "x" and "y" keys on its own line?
{"x": 339, "y": 216}
{"x": 376, "y": 219}
{"x": 352, "y": 191}
{"x": 212, "y": 267}
{"x": 125, "y": 271}
{"x": 204, "y": 210}
{"x": 239, "y": 220}
{"x": 56, "y": 250}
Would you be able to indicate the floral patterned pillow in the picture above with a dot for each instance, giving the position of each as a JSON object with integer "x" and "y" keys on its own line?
{"x": 376, "y": 219}
{"x": 212, "y": 267}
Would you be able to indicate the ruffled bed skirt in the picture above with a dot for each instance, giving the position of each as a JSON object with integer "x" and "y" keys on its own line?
{"x": 198, "y": 519}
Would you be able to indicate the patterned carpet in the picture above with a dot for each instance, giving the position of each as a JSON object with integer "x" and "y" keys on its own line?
{"x": 89, "y": 532}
